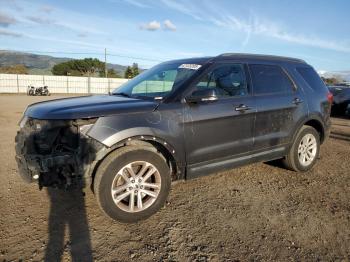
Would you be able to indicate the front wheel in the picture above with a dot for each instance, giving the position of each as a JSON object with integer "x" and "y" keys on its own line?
{"x": 304, "y": 151}
{"x": 132, "y": 183}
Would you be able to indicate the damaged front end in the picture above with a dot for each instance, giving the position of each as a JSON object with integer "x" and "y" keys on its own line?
{"x": 56, "y": 153}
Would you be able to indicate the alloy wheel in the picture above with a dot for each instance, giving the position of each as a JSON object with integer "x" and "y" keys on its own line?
{"x": 136, "y": 186}
{"x": 307, "y": 149}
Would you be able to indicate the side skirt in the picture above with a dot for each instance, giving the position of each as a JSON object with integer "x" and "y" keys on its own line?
{"x": 217, "y": 165}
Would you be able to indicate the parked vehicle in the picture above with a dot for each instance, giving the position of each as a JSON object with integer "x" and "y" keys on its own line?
{"x": 341, "y": 101}
{"x": 31, "y": 90}
{"x": 179, "y": 120}
{"x": 39, "y": 91}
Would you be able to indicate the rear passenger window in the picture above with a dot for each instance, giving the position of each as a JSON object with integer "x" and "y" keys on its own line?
{"x": 311, "y": 78}
{"x": 270, "y": 79}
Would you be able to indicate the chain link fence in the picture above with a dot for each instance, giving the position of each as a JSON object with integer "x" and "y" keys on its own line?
{"x": 11, "y": 83}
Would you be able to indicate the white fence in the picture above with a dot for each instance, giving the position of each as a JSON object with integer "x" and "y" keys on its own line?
{"x": 11, "y": 83}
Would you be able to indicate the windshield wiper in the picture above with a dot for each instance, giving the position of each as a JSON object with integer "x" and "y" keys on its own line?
{"x": 121, "y": 94}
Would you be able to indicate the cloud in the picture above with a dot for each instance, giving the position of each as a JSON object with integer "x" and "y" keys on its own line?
{"x": 12, "y": 4}
{"x": 79, "y": 27}
{"x": 40, "y": 20}
{"x": 183, "y": 7}
{"x": 151, "y": 26}
{"x": 254, "y": 25}
{"x": 258, "y": 26}
{"x": 155, "y": 25}
{"x": 168, "y": 25}
{"x": 6, "y": 20}
{"x": 9, "y": 33}
{"x": 131, "y": 2}
{"x": 46, "y": 9}
{"x": 82, "y": 35}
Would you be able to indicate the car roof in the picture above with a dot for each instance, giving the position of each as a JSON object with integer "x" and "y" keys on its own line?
{"x": 259, "y": 57}
{"x": 239, "y": 56}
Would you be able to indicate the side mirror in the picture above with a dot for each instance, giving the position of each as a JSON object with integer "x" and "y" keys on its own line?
{"x": 202, "y": 95}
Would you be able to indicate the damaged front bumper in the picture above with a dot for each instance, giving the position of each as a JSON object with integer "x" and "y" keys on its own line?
{"x": 55, "y": 153}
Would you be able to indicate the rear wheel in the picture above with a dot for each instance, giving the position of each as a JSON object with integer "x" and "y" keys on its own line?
{"x": 132, "y": 183}
{"x": 304, "y": 151}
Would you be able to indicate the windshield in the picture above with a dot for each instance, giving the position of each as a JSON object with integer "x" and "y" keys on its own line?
{"x": 157, "y": 82}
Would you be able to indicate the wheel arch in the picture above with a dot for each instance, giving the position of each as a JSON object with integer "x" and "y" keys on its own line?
{"x": 315, "y": 122}
{"x": 160, "y": 145}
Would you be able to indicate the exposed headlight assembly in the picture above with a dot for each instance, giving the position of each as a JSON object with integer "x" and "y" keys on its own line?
{"x": 85, "y": 128}
{"x": 23, "y": 121}
{"x": 85, "y": 125}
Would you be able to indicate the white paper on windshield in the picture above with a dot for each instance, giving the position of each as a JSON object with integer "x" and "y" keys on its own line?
{"x": 190, "y": 66}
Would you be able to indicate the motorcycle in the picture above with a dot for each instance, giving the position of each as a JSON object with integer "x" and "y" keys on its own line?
{"x": 39, "y": 91}
{"x": 31, "y": 91}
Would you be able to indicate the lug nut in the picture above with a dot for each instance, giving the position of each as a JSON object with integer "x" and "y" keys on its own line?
{"x": 130, "y": 188}
{"x": 140, "y": 180}
{"x": 135, "y": 191}
{"x": 133, "y": 181}
{"x": 141, "y": 187}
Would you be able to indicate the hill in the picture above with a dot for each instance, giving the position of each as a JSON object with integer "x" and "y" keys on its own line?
{"x": 41, "y": 64}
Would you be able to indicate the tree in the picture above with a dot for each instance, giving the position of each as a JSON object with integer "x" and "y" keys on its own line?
{"x": 14, "y": 69}
{"x": 128, "y": 73}
{"x": 332, "y": 80}
{"x": 79, "y": 67}
{"x": 61, "y": 69}
{"x": 111, "y": 74}
{"x": 135, "y": 69}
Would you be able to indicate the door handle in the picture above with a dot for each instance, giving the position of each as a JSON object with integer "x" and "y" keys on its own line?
{"x": 242, "y": 108}
{"x": 297, "y": 101}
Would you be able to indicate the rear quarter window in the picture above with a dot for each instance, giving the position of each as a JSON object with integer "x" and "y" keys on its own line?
{"x": 311, "y": 78}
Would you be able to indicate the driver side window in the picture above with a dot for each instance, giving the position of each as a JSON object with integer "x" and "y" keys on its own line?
{"x": 227, "y": 79}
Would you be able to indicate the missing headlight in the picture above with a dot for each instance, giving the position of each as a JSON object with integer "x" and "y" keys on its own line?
{"x": 85, "y": 125}
{"x": 23, "y": 121}
{"x": 85, "y": 128}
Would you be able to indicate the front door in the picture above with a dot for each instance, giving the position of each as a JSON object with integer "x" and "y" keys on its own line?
{"x": 220, "y": 129}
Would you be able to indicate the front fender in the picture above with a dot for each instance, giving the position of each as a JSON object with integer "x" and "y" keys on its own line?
{"x": 161, "y": 127}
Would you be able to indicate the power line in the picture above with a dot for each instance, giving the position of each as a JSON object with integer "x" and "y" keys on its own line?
{"x": 86, "y": 53}
{"x": 134, "y": 57}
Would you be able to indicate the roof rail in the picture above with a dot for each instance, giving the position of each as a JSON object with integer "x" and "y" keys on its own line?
{"x": 260, "y": 56}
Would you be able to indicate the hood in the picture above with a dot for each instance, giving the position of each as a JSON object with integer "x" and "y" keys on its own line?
{"x": 88, "y": 107}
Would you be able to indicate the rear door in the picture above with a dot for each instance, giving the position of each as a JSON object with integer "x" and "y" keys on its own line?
{"x": 215, "y": 130}
{"x": 279, "y": 106}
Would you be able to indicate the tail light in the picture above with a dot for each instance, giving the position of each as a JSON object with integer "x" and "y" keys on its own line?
{"x": 330, "y": 97}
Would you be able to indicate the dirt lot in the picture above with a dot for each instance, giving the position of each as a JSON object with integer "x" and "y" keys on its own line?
{"x": 258, "y": 212}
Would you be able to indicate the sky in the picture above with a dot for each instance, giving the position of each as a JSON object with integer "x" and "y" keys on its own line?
{"x": 148, "y": 32}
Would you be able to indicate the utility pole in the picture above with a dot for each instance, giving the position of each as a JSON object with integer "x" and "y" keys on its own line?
{"x": 106, "y": 71}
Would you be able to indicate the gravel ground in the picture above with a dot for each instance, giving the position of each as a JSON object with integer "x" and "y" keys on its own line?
{"x": 257, "y": 212}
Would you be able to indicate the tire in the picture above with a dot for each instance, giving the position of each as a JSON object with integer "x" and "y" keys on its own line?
{"x": 113, "y": 173}
{"x": 293, "y": 160}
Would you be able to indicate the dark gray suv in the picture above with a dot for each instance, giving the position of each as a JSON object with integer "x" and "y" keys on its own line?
{"x": 178, "y": 120}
